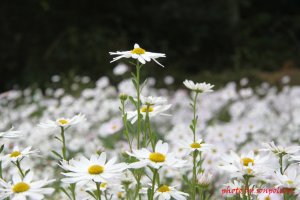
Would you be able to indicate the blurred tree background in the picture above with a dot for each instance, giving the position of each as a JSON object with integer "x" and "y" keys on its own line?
{"x": 40, "y": 38}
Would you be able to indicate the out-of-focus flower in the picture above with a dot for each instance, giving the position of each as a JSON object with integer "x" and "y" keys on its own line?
{"x": 111, "y": 127}
{"x": 120, "y": 69}
{"x": 62, "y": 122}
{"x": 17, "y": 155}
{"x": 290, "y": 178}
{"x": 21, "y": 189}
{"x": 96, "y": 169}
{"x": 157, "y": 159}
{"x": 169, "y": 80}
{"x": 280, "y": 149}
{"x": 198, "y": 87}
{"x": 11, "y": 133}
{"x": 138, "y": 53}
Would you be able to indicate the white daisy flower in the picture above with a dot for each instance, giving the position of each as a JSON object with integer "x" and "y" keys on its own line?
{"x": 11, "y": 133}
{"x": 96, "y": 169}
{"x": 62, "y": 122}
{"x": 138, "y": 53}
{"x": 198, "y": 87}
{"x": 21, "y": 189}
{"x": 290, "y": 178}
{"x": 111, "y": 127}
{"x": 17, "y": 155}
{"x": 280, "y": 149}
{"x": 166, "y": 192}
{"x": 157, "y": 159}
{"x": 120, "y": 69}
{"x": 264, "y": 196}
{"x": 151, "y": 105}
{"x": 246, "y": 164}
{"x": 191, "y": 146}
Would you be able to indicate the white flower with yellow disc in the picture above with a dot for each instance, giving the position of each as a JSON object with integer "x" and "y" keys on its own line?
{"x": 62, "y": 122}
{"x": 198, "y": 87}
{"x": 21, "y": 188}
{"x": 139, "y": 54}
{"x": 16, "y": 155}
{"x": 199, "y": 145}
{"x": 96, "y": 169}
{"x": 151, "y": 105}
{"x": 157, "y": 159}
{"x": 165, "y": 192}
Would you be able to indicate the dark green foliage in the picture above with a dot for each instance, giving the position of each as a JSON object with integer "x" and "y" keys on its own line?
{"x": 40, "y": 38}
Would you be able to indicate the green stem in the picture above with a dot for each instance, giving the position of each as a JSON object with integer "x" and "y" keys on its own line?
{"x": 281, "y": 163}
{"x": 153, "y": 183}
{"x": 247, "y": 187}
{"x": 138, "y": 103}
{"x": 98, "y": 191}
{"x": 195, "y": 115}
{"x": 18, "y": 164}
{"x": 64, "y": 149}
{"x": 148, "y": 124}
{"x": 194, "y": 175}
{"x": 124, "y": 117}
{"x": 0, "y": 169}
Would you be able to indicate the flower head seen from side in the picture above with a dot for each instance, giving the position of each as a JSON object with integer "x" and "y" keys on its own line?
{"x": 16, "y": 155}
{"x": 290, "y": 178}
{"x": 157, "y": 159}
{"x": 198, "y": 87}
{"x": 165, "y": 192}
{"x": 11, "y": 133}
{"x": 280, "y": 149}
{"x": 139, "y": 54}
{"x": 23, "y": 188}
{"x": 96, "y": 169}
{"x": 152, "y": 106}
{"x": 198, "y": 145}
{"x": 63, "y": 122}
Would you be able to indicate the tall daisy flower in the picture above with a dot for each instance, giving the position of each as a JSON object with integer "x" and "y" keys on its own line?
{"x": 198, "y": 145}
{"x": 62, "y": 122}
{"x": 97, "y": 169}
{"x": 23, "y": 188}
{"x": 139, "y": 54}
{"x": 11, "y": 133}
{"x": 150, "y": 105}
{"x": 198, "y": 87}
{"x": 157, "y": 159}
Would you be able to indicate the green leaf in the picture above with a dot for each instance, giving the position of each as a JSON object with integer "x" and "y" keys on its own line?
{"x": 66, "y": 193}
{"x": 57, "y": 154}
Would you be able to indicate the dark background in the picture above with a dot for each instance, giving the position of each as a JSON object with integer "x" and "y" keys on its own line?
{"x": 40, "y": 38}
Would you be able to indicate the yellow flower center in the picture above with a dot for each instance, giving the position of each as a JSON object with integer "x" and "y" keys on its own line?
{"x": 138, "y": 51}
{"x": 120, "y": 195}
{"x": 267, "y": 198}
{"x": 63, "y": 121}
{"x": 246, "y": 161}
{"x": 195, "y": 145}
{"x": 249, "y": 171}
{"x": 147, "y": 109}
{"x": 96, "y": 169}
{"x": 103, "y": 185}
{"x": 15, "y": 154}
{"x": 164, "y": 188}
{"x": 157, "y": 157}
{"x": 114, "y": 127}
{"x": 20, "y": 187}
{"x": 290, "y": 182}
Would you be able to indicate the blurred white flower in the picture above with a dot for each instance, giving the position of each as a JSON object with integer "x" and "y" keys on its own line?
{"x": 169, "y": 80}
{"x": 111, "y": 127}
{"x": 62, "y": 122}
{"x": 120, "y": 69}
{"x": 97, "y": 169}
{"x": 11, "y": 133}
{"x": 204, "y": 179}
{"x": 290, "y": 178}
{"x": 198, "y": 87}
{"x": 157, "y": 159}
{"x": 22, "y": 189}
{"x": 138, "y": 53}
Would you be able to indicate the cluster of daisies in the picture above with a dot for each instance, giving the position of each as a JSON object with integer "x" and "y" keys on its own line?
{"x": 132, "y": 143}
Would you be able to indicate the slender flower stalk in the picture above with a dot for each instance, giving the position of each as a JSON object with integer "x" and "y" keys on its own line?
{"x": 123, "y": 98}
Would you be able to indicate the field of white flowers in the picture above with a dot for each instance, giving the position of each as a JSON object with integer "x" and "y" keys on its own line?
{"x": 135, "y": 141}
